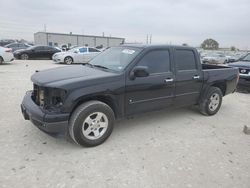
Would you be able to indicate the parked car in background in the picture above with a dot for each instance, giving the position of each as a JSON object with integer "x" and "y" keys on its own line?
{"x": 244, "y": 69}
{"x": 6, "y": 55}
{"x": 76, "y": 55}
{"x": 4, "y": 42}
{"x": 17, "y": 46}
{"x": 36, "y": 52}
{"x": 214, "y": 58}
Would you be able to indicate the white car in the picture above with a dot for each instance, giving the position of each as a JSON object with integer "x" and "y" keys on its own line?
{"x": 76, "y": 55}
{"x": 6, "y": 55}
{"x": 214, "y": 59}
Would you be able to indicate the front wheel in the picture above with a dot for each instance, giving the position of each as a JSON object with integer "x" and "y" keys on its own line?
{"x": 91, "y": 123}
{"x": 24, "y": 56}
{"x": 211, "y": 100}
{"x": 68, "y": 60}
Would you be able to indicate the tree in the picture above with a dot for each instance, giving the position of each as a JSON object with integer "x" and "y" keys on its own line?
{"x": 210, "y": 44}
{"x": 232, "y": 48}
{"x": 184, "y": 44}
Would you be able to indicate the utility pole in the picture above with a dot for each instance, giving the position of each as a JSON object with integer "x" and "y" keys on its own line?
{"x": 45, "y": 28}
{"x": 147, "y": 39}
{"x": 150, "y": 39}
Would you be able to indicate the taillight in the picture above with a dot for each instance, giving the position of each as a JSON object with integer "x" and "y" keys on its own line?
{"x": 8, "y": 50}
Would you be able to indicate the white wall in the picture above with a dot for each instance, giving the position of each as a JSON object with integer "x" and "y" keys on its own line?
{"x": 42, "y": 38}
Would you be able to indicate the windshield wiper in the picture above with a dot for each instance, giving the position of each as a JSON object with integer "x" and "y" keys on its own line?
{"x": 100, "y": 66}
{"x": 92, "y": 65}
{"x": 87, "y": 64}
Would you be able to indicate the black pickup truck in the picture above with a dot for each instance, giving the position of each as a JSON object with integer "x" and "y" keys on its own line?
{"x": 84, "y": 100}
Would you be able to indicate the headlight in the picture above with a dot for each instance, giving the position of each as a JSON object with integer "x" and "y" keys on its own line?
{"x": 54, "y": 99}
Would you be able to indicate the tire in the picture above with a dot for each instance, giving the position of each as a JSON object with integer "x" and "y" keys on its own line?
{"x": 24, "y": 56}
{"x": 91, "y": 123}
{"x": 1, "y": 60}
{"x": 68, "y": 60}
{"x": 211, "y": 100}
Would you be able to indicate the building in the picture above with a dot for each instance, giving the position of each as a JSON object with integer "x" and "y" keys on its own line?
{"x": 59, "y": 39}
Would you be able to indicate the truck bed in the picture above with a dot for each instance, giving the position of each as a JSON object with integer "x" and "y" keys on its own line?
{"x": 208, "y": 66}
{"x": 216, "y": 74}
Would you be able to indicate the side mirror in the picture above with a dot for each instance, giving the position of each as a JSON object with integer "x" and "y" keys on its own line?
{"x": 76, "y": 51}
{"x": 139, "y": 71}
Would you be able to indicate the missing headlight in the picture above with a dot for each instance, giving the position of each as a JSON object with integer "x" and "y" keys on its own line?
{"x": 54, "y": 98}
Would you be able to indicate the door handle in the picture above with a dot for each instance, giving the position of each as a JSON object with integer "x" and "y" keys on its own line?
{"x": 196, "y": 77}
{"x": 169, "y": 80}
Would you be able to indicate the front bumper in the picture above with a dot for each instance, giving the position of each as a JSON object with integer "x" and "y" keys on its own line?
{"x": 57, "y": 60}
{"x": 48, "y": 122}
{"x": 243, "y": 81}
{"x": 8, "y": 57}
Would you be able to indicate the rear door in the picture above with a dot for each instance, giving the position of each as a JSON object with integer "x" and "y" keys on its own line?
{"x": 37, "y": 52}
{"x": 188, "y": 76}
{"x": 48, "y": 52}
{"x": 92, "y": 52}
{"x": 155, "y": 91}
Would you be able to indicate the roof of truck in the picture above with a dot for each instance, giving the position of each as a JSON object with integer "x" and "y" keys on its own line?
{"x": 156, "y": 46}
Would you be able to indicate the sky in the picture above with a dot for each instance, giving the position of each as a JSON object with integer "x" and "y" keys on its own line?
{"x": 168, "y": 21}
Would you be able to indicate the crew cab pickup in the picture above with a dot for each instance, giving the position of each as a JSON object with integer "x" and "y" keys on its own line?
{"x": 85, "y": 100}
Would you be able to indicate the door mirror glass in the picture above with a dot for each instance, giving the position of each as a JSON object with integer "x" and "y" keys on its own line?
{"x": 140, "y": 71}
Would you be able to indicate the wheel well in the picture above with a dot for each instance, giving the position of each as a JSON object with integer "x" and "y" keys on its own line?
{"x": 222, "y": 86}
{"x": 104, "y": 99}
{"x": 70, "y": 57}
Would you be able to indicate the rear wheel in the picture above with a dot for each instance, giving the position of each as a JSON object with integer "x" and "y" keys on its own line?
{"x": 91, "y": 123}
{"x": 24, "y": 56}
{"x": 211, "y": 101}
{"x": 68, "y": 60}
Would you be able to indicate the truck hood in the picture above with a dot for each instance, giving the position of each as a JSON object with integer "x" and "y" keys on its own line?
{"x": 245, "y": 64}
{"x": 69, "y": 77}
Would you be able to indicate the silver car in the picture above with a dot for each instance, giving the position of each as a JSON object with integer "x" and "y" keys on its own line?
{"x": 214, "y": 58}
{"x": 76, "y": 55}
{"x": 17, "y": 46}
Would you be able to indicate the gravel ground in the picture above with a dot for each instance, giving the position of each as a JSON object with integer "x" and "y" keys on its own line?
{"x": 171, "y": 148}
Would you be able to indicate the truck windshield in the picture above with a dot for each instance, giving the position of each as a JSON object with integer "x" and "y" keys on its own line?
{"x": 115, "y": 58}
{"x": 246, "y": 58}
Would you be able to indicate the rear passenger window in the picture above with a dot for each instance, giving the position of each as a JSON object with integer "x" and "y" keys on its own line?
{"x": 82, "y": 50}
{"x": 185, "y": 60}
{"x": 93, "y": 50}
{"x": 157, "y": 61}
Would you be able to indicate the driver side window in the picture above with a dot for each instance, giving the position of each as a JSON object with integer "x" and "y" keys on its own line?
{"x": 157, "y": 61}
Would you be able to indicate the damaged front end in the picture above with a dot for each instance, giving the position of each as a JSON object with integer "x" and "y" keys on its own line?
{"x": 50, "y": 99}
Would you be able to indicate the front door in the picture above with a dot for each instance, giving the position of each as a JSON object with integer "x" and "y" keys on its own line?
{"x": 154, "y": 91}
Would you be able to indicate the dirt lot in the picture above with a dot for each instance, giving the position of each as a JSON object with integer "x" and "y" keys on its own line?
{"x": 171, "y": 148}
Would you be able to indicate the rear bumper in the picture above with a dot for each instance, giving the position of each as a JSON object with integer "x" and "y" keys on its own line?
{"x": 243, "y": 81}
{"x": 48, "y": 122}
